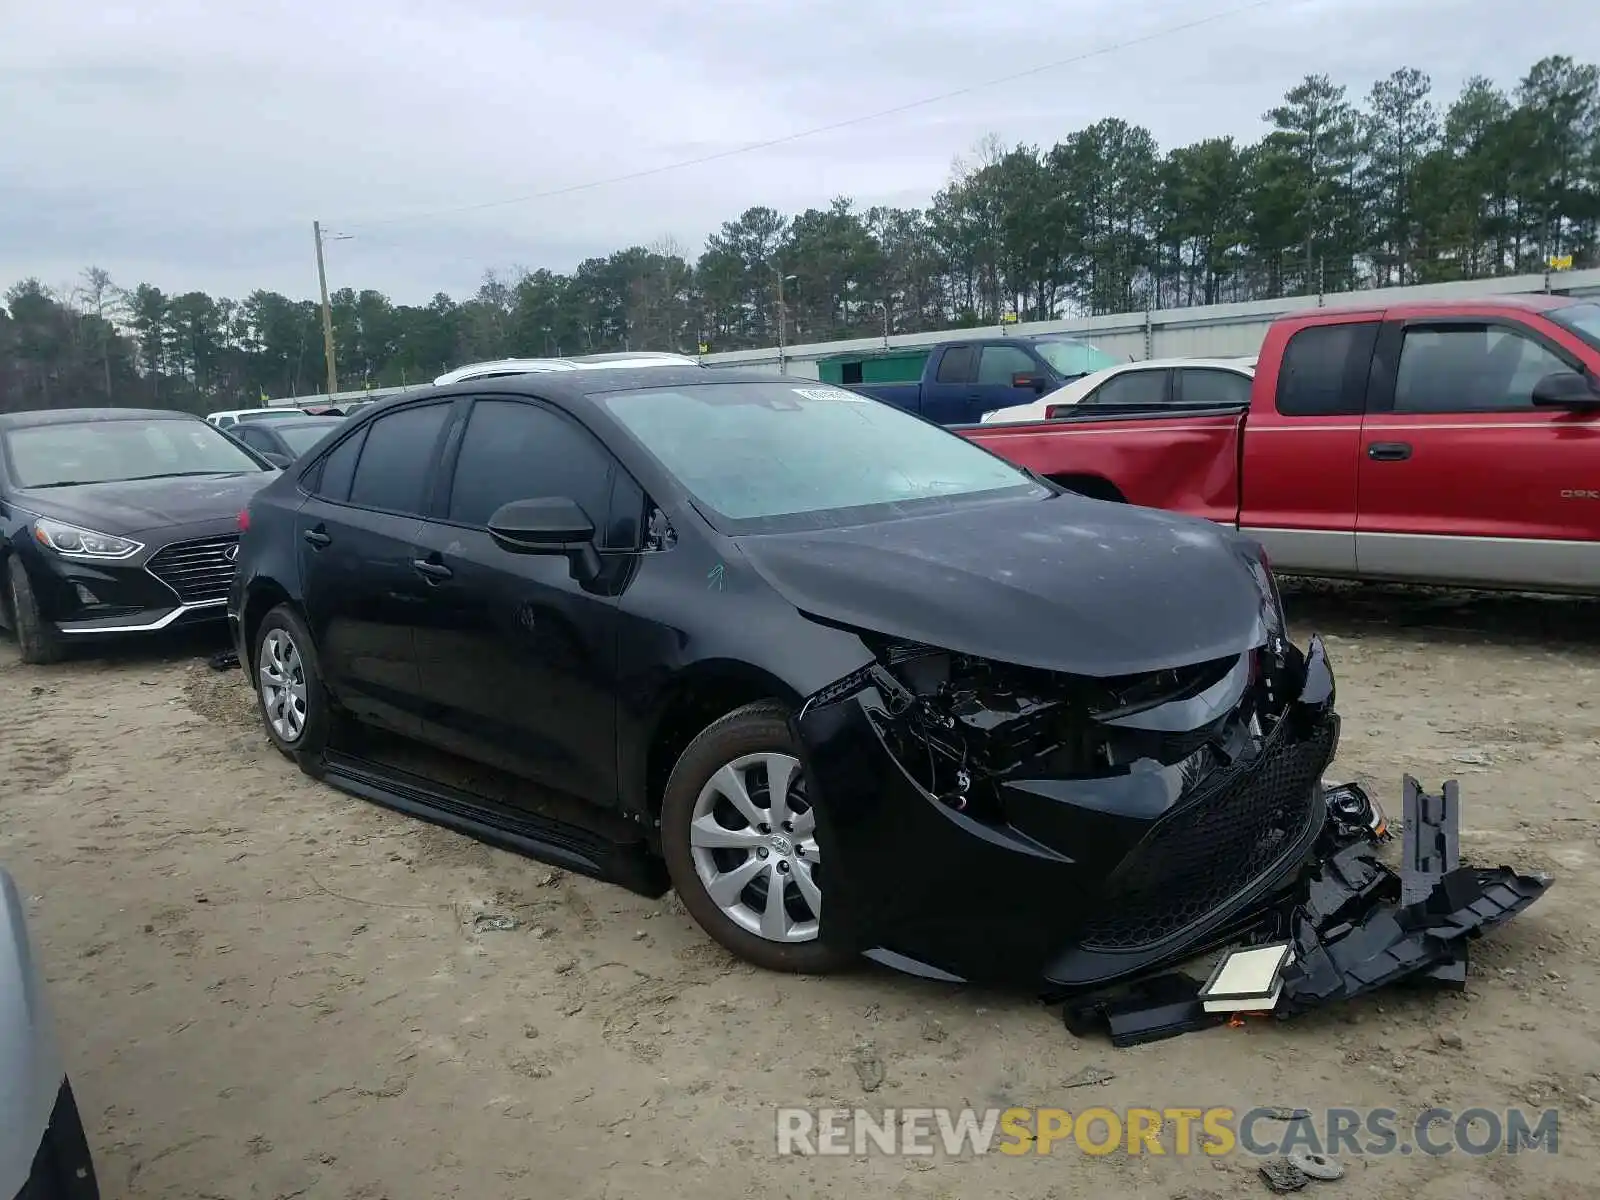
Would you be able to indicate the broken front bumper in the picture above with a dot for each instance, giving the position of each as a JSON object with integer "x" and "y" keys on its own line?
{"x": 1080, "y": 885}
{"x": 1083, "y": 881}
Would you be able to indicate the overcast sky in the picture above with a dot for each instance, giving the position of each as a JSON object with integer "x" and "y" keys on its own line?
{"x": 190, "y": 144}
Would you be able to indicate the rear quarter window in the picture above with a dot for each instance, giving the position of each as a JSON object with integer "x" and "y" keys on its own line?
{"x": 1324, "y": 370}
{"x": 331, "y": 478}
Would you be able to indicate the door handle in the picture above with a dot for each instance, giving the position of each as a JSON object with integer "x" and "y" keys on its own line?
{"x": 433, "y": 572}
{"x": 1389, "y": 451}
{"x": 318, "y": 537}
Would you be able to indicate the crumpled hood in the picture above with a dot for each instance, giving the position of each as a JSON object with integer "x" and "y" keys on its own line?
{"x": 136, "y": 505}
{"x": 1065, "y": 583}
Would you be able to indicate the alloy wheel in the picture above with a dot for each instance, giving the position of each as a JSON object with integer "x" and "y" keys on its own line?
{"x": 753, "y": 839}
{"x": 282, "y": 676}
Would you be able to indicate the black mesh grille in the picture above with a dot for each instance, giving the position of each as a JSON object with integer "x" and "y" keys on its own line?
{"x": 198, "y": 571}
{"x": 1198, "y": 858}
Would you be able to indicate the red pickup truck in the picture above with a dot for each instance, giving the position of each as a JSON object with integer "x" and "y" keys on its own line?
{"x": 1448, "y": 443}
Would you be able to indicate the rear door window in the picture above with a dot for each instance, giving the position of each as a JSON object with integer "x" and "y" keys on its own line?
{"x": 254, "y": 438}
{"x": 1131, "y": 387}
{"x": 396, "y": 461}
{"x": 956, "y": 365}
{"x": 1207, "y": 385}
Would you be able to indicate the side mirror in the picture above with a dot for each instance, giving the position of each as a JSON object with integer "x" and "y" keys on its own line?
{"x": 1566, "y": 389}
{"x": 548, "y": 525}
{"x": 1028, "y": 380}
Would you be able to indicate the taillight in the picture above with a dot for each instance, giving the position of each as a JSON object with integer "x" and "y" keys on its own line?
{"x": 244, "y": 519}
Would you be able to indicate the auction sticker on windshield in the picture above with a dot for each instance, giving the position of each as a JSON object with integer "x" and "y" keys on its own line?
{"x": 826, "y": 393}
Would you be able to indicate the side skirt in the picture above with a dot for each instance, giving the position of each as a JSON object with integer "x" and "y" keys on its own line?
{"x": 571, "y": 847}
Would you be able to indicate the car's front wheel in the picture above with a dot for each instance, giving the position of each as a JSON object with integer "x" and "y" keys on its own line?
{"x": 288, "y": 681}
{"x": 740, "y": 840}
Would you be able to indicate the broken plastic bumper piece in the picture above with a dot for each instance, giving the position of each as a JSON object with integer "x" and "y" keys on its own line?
{"x": 1363, "y": 925}
{"x": 1354, "y": 924}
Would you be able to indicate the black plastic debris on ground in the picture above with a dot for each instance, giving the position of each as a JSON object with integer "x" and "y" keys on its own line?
{"x": 1430, "y": 857}
{"x": 223, "y": 660}
{"x": 1355, "y": 923}
{"x": 1149, "y": 1010}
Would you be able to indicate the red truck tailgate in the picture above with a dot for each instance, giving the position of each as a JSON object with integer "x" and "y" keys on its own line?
{"x": 1186, "y": 463}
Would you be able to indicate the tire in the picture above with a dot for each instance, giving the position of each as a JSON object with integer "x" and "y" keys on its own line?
{"x": 287, "y": 679}
{"x": 707, "y": 838}
{"x": 39, "y": 643}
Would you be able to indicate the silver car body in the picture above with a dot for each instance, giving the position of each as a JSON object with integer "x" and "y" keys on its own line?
{"x": 32, "y": 1071}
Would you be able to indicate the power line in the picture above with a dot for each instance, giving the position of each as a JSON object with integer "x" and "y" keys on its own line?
{"x": 752, "y": 147}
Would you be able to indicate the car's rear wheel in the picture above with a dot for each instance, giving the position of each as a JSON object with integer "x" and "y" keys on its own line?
{"x": 740, "y": 841}
{"x": 288, "y": 682}
{"x": 38, "y": 642}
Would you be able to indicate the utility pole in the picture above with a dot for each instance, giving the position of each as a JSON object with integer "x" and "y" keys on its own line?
{"x": 327, "y": 314}
{"x": 783, "y": 320}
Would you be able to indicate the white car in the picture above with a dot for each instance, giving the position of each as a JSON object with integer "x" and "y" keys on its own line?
{"x": 588, "y": 362}
{"x": 1156, "y": 381}
{"x": 233, "y": 416}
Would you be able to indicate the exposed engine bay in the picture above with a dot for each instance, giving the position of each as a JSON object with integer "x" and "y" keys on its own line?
{"x": 961, "y": 725}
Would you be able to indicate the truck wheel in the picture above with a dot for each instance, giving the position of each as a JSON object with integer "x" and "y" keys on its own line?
{"x": 39, "y": 643}
{"x": 740, "y": 841}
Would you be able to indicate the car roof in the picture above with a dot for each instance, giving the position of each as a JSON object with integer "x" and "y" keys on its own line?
{"x": 639, "y": 360}
{"x": 1526, "y": 301}
{"x": 1233, "y": 363}
{"x": 575, "y": 388}
{"x": 627, "y": 356}
{"x": 78, "y": 416}
{"x": 309, "y": 419}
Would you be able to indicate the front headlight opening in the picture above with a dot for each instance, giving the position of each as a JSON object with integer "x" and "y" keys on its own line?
{"x": 1267, "y": 582}
{"x": 71, "y": 541}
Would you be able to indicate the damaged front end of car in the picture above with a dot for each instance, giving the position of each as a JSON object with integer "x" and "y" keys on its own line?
{"x": 996, "y": 822}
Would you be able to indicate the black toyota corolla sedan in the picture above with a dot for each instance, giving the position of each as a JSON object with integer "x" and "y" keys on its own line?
{"x": 116, "y": 521}
{"x": 768, "y": 641}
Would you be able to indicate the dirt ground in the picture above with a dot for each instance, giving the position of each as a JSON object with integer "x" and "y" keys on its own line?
{"x": 267, "y": 989}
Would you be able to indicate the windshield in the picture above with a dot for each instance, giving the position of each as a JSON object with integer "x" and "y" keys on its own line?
{"x": 1582, "y": 319}
{"x": 767, "y": 457}
{"x": 113, "y": 450}
{"x": 264, "y": 414}
{"x": 301, "y": 438}
{"x": 1069, "y": 357}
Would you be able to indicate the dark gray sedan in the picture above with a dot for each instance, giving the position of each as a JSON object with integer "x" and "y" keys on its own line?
{"x": 282, "y": 441}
